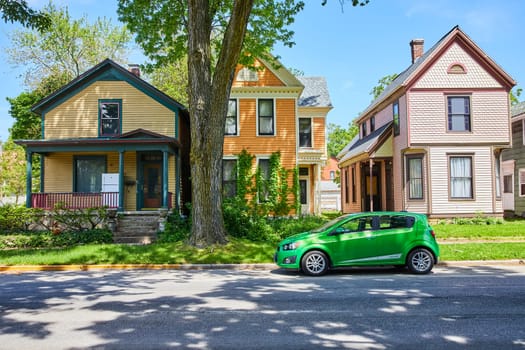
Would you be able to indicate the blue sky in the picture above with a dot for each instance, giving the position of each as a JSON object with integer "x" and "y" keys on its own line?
{"x": 351, "y": 47}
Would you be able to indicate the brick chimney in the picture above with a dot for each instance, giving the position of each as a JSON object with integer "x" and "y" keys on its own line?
{"x": 416, "y": 46}
{"x": 134, "y": 69}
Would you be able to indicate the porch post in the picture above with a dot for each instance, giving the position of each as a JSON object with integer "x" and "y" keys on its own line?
{"x": 29, "y": 177}
{"x": 177, "y": 181}
{"x": 121, "y": 181}
{"x": 165, "y": 179}
{"x": 371, "y": 164}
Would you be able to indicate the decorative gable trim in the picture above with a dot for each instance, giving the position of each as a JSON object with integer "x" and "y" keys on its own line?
{"x": 457, "y": 68}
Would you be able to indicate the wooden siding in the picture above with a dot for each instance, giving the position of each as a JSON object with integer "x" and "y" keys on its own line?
{"x": 400, "y": 143}
{"x": 347, "y": 206}
{"x": 78, "y": 116}
{"x": 482, "y": 159}
{"x": 265, "y": 77}
{"x": 58, "y": 172}
{"x": 517, "y": 153}
{"x": 319, "y": 133}
{"x": 475, "y": 77}
{"x": 489, "y": 118}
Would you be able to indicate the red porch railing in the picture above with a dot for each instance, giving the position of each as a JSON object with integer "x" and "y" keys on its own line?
{"x": 77, "y": 200}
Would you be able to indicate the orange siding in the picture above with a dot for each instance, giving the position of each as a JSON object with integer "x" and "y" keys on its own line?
{"x": 265, "y": 77}
{"x": 319, "y": 133}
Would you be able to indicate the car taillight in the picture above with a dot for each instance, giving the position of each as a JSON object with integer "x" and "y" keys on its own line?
{"x": 433, "y": 233}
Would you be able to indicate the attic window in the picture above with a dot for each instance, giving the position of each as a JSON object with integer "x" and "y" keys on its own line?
{"x": 456, "y": 68}
{"x": 246, "y": 74}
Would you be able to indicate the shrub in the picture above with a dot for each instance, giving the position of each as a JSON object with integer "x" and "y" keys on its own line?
{"x": 51, "y": 240}
{"x": 15, "y": 218}
{"x": 177, "y": 229}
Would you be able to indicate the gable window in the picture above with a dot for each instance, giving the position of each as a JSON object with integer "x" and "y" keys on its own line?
{"x": 110, "y": 117}
{"x": 415, "y": 176}
{"x": 87, "y": 173}
{"x": 230, "y": 127}
{"x": 229, "y": 177}
{"x": 372, "y": 124}
{"x": 395, "y": 117}
{"x": 247, "y": 74}
{"x": 461, "y": 177}
{"x": 363, "y": 128}
{"x": 305, "y": 132}
{"x": 458, "y": 113}
{"x": 264, "y": 171}
{"x": 522, "y": 182}
{"x": 266, "y": 117}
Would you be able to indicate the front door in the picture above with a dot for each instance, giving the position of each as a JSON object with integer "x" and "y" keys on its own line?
{"x": 304, "y": 191}
{"x": 150, "y": 181}
{"x": 372, "y": 187}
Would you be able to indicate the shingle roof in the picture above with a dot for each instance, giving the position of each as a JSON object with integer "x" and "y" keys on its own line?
{"x": 315, "y": 93}
{"x": 366, "y": 144}
{"x": 517, "y": 109}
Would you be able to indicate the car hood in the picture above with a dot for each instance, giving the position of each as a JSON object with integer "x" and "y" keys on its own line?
{"x": 299, "y": 236}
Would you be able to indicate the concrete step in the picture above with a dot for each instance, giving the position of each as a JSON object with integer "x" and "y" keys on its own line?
{"x": 134, "y": 240}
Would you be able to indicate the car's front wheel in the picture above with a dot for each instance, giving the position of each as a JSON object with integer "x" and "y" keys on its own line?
{"x": 420, "y": 261}
{"x": 314, "y": 263}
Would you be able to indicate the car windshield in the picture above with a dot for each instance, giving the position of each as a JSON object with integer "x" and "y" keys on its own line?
{"x": 330, "y": 224}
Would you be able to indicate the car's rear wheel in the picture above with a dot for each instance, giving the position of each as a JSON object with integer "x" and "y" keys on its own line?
{"x": 420, "y": 261}
{"x": 314, "y": 263}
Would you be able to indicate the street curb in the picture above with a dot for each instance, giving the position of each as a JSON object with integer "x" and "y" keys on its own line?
{"x": 260, "y": 267}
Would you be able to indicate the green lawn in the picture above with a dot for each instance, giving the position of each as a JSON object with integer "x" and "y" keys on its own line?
{"x": 514, "y": 230}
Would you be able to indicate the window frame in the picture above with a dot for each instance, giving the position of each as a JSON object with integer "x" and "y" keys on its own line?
{"x": 396, "y": 119}
{"x": 506, "y": 183}
{"x": 310, "y": 133}
{"x": 521, "y": 184}
{"x": 450, "y": 114}
{"x": 372, "y": 124}
{"x": 118, "y": 102}
{"x": 409, "y": 178}
{"x": 265, "y": 180}
{"x": 236, "y": 116}
{"x": 259, "y": 133}
{"x": 76, "y": 172}
{"x": 354, "y": 185}
{"x": 230, "y": 182}
{"x": 363, "y": 129}
{"x": 450, "y": 178}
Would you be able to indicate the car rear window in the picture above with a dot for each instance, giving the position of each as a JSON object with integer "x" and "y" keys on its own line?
{"x": 396, "y": 221}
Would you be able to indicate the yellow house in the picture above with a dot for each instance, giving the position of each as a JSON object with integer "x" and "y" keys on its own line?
{"x": 272, "y": 110}
{"x": 111, "y": 139}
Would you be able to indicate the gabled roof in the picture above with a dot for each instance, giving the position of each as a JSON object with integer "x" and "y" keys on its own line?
{"x": 282, "y": 73}
{"x": 315, "y": 93}
{"x": 517, "y": 109}
{"x": 105, "y": 70}
{"x": 365, "y": 145}
{"x": 411, "y": 74}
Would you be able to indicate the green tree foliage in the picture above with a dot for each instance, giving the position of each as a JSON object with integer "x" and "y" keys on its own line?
{"x": 339, "y": 137}
{"x": 514, "y": 94}
{"x": 215, "y": 36}
{"x": 19, "y": 11}
{"x": 12, "y": 171}
{"x": 69, "y": 46}
{"x": 381, "y": 85}
{"x": 172, "y": 79}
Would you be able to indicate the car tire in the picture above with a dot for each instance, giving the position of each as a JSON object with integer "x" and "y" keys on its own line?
{"x": 420, "y": 261}
{"x": 314, "y": 263}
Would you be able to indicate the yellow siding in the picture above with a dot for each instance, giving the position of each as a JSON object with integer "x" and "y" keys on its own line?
{"x": 78, "y": 116}
{"x": 265, "y": 77}
{"x": 319, "y": 133}
{"x": 130, "y": 173}
{"x": 58, "y": 172}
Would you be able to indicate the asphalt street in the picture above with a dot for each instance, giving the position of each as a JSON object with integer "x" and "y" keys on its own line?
{"x": 452, "y": 308}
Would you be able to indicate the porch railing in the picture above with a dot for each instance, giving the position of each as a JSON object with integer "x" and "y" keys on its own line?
{"x": 76, "y": 200}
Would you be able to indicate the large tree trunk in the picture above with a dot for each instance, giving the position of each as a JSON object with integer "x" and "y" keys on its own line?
{"x": 208, "y": 105}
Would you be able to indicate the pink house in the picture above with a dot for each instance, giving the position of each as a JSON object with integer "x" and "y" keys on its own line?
{"x": 431, "y": 142}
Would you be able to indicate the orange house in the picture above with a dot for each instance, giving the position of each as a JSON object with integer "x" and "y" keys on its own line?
{"x": 272, "y": 110}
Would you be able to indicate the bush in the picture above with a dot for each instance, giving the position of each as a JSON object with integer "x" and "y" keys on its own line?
{"x": 177, "y": 229}
{"x": 51, "y": 240}
{"x": 15, "y": 218}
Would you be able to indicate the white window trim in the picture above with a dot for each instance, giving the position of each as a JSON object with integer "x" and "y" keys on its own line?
{"x": 311, "y": 132}
{"x": 520, "y": 171}
{"x": 257, "y": 159}
{"x": 274, "y": 117}
{"x": 246, "y": 74}
{"x": 237, "y": 119}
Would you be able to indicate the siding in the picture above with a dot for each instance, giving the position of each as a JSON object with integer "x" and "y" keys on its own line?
{"x": 78, "y": 116}
{"x": 475, "y": 77}
{"x": 319, "y": 137}
{"x": 489, "y": 118}
{"x": 483, "y": 181}
{"x": 517, "y": 153}
{"x": 400, "y": 143}
{"x": 265, "y": 77}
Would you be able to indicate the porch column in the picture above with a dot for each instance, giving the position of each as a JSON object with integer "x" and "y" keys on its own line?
{"x": 177, "y": 181}
{"x": 121, "y": 181}
{"x": 29, "y": 177}
{"x": 371, "y": 166}
{"x": 165, "y": 179}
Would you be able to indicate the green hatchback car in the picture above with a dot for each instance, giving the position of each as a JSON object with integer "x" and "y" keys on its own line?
{"x": 362, "y": 239}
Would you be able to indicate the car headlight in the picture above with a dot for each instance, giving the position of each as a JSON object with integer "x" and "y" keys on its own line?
{"x": 291, "y": 246}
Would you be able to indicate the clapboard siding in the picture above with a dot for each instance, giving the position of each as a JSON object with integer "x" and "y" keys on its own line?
{"x": 264, "y": 75}
{"x": 78, "y": 116}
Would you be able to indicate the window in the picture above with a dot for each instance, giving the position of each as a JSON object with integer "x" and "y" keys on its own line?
{"x": 229, "y": 177}
{"x": 303, "y": 171}
{"x": 346, "y": 186}
{"x": 231, "y": 118}
{"x": 266, "y": 117}
{"x": 354, "y": 197}
{"x": 359, "y": 224}
{"x": 508, "y": 184}
{"x": 264, "y": 169}
{"x": 110, "y": 117}
{"x": 458, "y": 113}
{"x": 395, "y": 117}
{"x": 305, "y": 132}
{"x": 372, "y": 124}
{"x": 88, "y": 172}
{"x": 497, "y": 173}
{"x": 247, "y": 74}
{"x": 415, "y": 176}
{"x": 363, "y": 128}
{"x": 332, "y": 175}
{"x": 397, "y": 221}
{"x": 461, "y": 177}
{"x": 522, "y": 182}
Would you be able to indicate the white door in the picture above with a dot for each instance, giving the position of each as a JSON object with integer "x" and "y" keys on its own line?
{"x": 304, "y": 190}
{"x": 508, "y": 185}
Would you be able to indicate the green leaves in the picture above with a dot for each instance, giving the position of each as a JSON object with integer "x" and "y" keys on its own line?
{"x": 18, "y": 11}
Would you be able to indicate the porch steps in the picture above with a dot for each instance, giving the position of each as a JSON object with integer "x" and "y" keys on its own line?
{"x": 136, "y": 228}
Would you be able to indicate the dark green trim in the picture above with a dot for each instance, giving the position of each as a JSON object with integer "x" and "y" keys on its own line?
{"x": 29, "y": 177}
{"x": 113, "y": 100}
{"x": 102, "y": 148}
{"x": 90, "y": 157}
{"x": 177, "y": 117}
{"x": 121, "y": 181}
{"x": 177, "y": 182}
{"x": 165, "y": 174}
{"x": 43, "y": 126}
